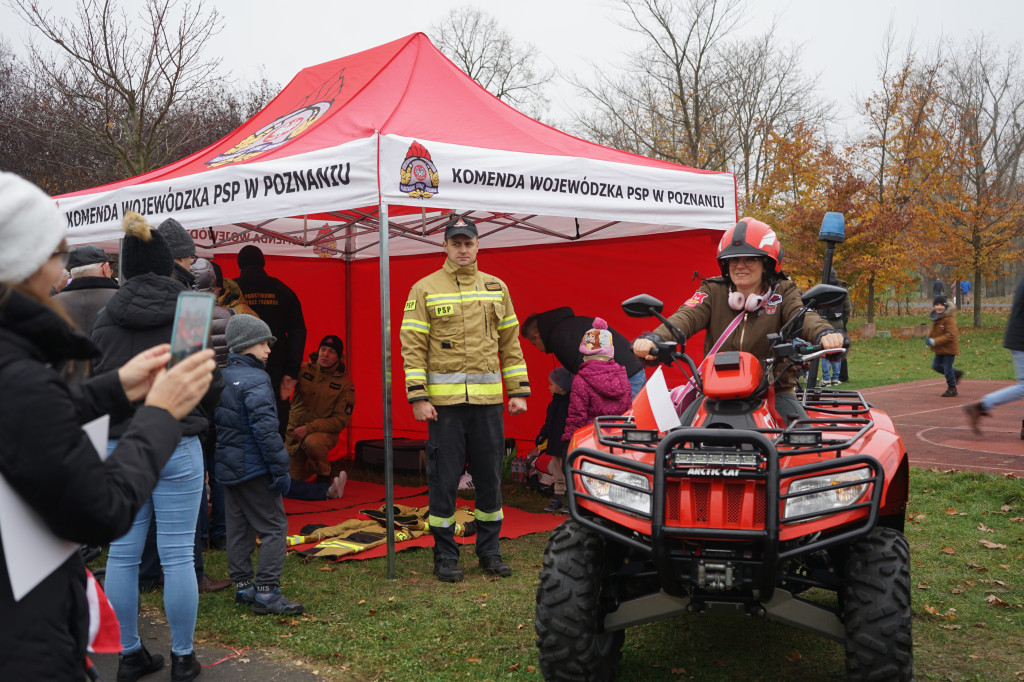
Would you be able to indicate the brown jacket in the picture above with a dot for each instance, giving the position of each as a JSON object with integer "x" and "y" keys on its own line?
{"x": 323, "y": 400}
{"x": 708, "y": 309}
{"x": 945, "y": 333}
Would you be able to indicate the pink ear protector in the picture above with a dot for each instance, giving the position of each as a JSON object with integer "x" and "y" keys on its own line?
{"x": 738, "y": 301}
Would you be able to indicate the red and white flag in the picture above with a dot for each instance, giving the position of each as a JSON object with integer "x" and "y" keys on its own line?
{"x": 653, "y": 407}
{"x": 104, "y": 632}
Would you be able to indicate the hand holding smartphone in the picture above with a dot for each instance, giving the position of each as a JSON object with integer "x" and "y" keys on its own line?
{"x": 192, "y": 319}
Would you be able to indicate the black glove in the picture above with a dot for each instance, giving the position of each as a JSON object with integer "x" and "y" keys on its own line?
{"x": 280, "y": 484}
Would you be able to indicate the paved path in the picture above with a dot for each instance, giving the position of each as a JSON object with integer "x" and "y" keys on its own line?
{"x": 936, "y": 432}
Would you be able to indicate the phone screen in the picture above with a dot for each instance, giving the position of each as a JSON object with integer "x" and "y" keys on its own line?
{"x": 192, "y": 319}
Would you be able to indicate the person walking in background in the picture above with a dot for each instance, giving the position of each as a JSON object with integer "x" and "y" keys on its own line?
{"x": 944, "y": 340}
{"x": 277, "y": 305}
{"x": 937, "y": 287}
{"x": 460, "y": 343}
{"x": 252, "y": 464}
{"x": 1013, "y": 340}
{"x": 559, "y": 383}
{"x": 965, "y": 292}
{"x": 141, "y": 315}
{"x": 601, "y": 387}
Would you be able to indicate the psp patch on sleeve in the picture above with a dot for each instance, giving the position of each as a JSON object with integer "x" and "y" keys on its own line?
{"x": 696, "y": 299}
{"x": 410, "y": 304}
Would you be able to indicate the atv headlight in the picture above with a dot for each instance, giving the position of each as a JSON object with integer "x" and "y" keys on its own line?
{"x": 612, "y": 491}
{"x": 819, "y": 494}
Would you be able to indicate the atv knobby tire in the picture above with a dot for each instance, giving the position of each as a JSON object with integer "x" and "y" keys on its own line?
{"x": 876, "y": 608}
{"x": 571, "y": 641}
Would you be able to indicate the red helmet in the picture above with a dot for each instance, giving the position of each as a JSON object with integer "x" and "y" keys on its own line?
{"x": 750, "y": 237}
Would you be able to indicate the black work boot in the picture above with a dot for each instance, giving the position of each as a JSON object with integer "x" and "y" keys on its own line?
{"x": 184, "y": 668}
{"x": 495, "y": 566}
{"x": 448, "y": 571}
{"x": 131, "y": 667}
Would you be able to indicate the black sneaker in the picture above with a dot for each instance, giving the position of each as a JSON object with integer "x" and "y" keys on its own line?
{"x": 495, "y": 566}
{"x": 556, "y": 505}
{"x": 957, "y": 374}
{"x": 448, "y": 571}
{"x": 138, "y": 663}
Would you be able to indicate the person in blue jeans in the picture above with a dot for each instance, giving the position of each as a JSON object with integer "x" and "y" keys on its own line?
{"x": 141, "y": 315}
{"x": 1013, "y": 340}
{"x": 944, "y": 340}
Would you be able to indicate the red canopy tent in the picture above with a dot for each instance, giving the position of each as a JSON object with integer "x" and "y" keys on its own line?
{"x": 398, "y": 135}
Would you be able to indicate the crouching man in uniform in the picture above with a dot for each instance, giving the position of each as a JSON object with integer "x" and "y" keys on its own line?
{"x": 460, "y": 347}
{"x": 321, "y": 407}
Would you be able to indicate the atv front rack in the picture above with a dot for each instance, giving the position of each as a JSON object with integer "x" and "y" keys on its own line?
{"x": 739, "y": 454}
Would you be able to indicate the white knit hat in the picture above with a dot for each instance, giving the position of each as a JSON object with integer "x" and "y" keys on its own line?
{"x": 31, "y": 228}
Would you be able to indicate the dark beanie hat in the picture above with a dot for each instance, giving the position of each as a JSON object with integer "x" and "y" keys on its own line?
{"x": 332, "y": 341}
{"x": 244, "y": 331}
{"x": 940, "y": 299}
{"x": 562, "y": 378}
{"x": 177, "y": 238}
{"x": 144, "y": 250}
{"x": 250, "y": 257}
{"x": 219, "y": 281}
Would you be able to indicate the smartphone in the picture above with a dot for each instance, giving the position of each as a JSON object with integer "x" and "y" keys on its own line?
{"x": 192, "y": 319}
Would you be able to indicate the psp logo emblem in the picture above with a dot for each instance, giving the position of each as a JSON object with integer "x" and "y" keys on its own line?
{"x": 418, "y": 176}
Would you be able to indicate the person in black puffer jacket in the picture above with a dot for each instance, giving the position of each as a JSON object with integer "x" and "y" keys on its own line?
{"x": 140, "y": 316}
{"x": 44, "y": 454}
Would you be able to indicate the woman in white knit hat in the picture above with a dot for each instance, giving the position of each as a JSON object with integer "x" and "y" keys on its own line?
{"x": 44, "y": 454}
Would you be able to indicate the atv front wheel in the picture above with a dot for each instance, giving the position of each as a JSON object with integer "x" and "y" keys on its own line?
{"x": 571, "y": 605}
{"x": 876, "y": 611}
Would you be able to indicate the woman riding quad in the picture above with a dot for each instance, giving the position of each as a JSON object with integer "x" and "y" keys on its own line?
{"x": 752, "y": 285}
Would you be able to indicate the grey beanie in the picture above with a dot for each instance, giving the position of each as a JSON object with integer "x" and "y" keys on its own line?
{"x": 180, "y": 241}
{"x": 245, "y": 330}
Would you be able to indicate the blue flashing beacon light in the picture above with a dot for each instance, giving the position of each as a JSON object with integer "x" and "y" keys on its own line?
{"x": 833, "y": 228}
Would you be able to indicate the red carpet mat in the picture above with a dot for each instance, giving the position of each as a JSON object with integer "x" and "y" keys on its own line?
{"x": 357, "y": 493}
{"x": 516, "y": 524}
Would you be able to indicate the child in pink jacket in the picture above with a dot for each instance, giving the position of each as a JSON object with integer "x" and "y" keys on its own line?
{"x": 601, "y": 386}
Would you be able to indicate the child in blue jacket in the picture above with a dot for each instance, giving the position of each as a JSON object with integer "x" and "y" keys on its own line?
{"x": 252, "y": 464}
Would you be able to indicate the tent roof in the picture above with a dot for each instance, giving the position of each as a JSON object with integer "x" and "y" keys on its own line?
{"x": 400, "y": 124}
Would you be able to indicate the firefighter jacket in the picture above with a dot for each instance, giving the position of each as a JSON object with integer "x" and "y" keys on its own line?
{"x": 323, "y": 400}
{"x": 708, "y": 309}
{"x": 460, "y": 339}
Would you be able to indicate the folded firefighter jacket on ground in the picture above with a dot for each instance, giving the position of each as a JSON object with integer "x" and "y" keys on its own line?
{"x": 360, "y": 534}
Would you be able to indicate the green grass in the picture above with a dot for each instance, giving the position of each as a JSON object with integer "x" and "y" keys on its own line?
{"x": 968, "y": 599}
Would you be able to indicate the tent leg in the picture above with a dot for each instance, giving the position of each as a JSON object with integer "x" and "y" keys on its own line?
{"x": 385, "y": 337}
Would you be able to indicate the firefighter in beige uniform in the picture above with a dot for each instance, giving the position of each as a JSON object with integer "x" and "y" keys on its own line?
{"x": 460, "y": 346}
{"x": 321, "y": 407}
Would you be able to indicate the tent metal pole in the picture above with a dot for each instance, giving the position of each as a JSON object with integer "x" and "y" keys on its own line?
{"x": 349, "y": 451}
{"x": 385, "y": 346}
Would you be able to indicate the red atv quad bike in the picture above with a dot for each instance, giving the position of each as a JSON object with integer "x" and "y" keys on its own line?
{"x": 733, "y": 513}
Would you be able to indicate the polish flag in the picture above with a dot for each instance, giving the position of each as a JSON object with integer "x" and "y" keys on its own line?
{"x": 104, "y": 632}
{"x": 653, "y": 408}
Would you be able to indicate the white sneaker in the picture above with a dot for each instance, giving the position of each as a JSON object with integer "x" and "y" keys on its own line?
{"x": 466, "y": 482}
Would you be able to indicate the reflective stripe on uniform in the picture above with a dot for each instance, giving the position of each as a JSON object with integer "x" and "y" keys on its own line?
{"x": 463, "y": 378}
{"x": 464, "y": 389}
{"x": 441, "y": 522}
{"x": 488, "y": 516}
{"x": 416, "y": 326}
{"x": 464, "y": 297}
{"x": 507, "y": 322}
{"x": 416, "y": 373}
{"x": 514, "y": 371}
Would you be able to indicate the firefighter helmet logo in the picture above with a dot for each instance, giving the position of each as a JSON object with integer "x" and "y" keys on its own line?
{"x": 325, "y": 249}
{"x": 418, "y": 176}
{"x": 273, "y": 135}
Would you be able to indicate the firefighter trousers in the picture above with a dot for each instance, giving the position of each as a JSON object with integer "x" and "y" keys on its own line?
{"x": 461, "y": 434}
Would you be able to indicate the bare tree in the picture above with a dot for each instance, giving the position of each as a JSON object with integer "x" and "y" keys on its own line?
{"x": 125, "y": 87}
{"x": 489, "y": 55}
{"x": 986, "y": 93}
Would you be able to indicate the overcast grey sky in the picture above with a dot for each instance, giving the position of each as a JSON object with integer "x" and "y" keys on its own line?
{"x": 840, "y": 39}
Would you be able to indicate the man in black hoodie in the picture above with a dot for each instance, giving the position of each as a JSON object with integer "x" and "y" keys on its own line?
{"x": 278, "y": 306}
{"x": 559, "y": 331}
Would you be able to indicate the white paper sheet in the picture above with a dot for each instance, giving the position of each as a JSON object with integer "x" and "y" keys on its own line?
{"x": 31, "y": 550}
